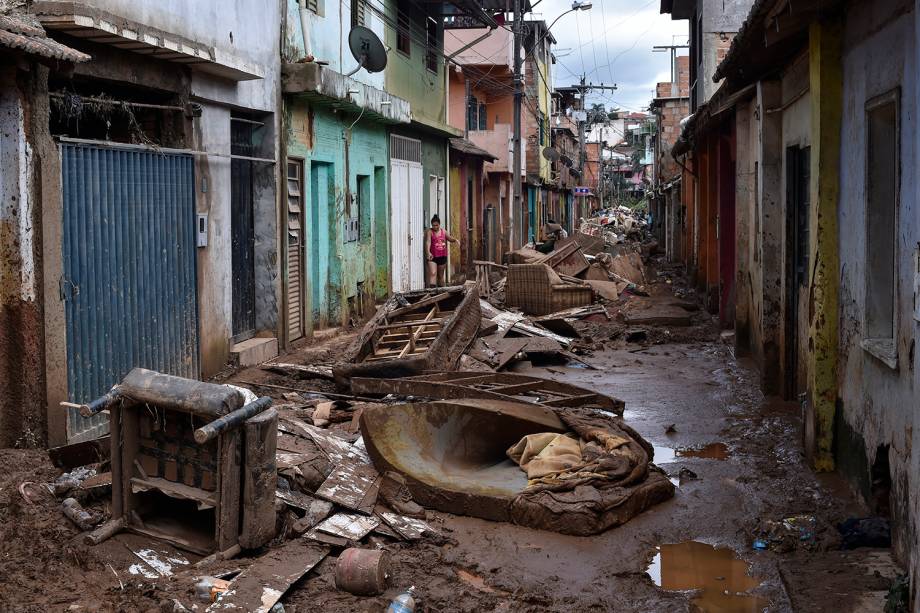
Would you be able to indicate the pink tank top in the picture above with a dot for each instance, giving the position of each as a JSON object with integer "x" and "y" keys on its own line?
{"x": 439, "y": 243}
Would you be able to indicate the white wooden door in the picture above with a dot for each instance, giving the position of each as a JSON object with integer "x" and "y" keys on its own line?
{"x": 399, "y": 225}
{"x": 416, "y": 244}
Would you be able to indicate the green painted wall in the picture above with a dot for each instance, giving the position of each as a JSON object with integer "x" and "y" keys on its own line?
{"x": 343, "y": 276}
{"x": 407, "y": 75}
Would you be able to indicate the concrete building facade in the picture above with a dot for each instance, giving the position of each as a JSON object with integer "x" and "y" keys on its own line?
{"x": 176, "y": 95}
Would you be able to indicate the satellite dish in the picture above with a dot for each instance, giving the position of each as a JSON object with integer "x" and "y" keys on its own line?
{"x": 369, "y": 52}
{"x": 550, "y": 154}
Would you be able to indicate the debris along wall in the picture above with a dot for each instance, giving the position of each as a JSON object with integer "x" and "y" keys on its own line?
{"x": 878, "y": 392}
{"x": 22, "y": 420}
{"x": 342, "y": 270}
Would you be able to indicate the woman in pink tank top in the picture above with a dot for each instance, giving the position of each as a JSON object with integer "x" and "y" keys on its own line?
{"x": 436, "y": 252}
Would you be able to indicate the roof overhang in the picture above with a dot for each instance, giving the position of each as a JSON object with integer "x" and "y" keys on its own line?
{"x": 326, "y": 87}
{"x": 91, "y": 24}
{"x": 465, "y": 147}
{"x": 774, "y": 32}
{"x": 679, "y": 9}
{"x": 18, "y": 34}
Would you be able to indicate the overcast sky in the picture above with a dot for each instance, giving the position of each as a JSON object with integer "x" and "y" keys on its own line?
{"x": 612, "y": 43}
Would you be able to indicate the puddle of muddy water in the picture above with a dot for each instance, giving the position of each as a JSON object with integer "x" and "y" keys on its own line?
{"x": 713, "y": 451}
{"x": 720, "y": 580}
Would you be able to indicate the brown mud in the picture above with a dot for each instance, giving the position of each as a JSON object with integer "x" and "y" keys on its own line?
{"x": 684, "y": 390}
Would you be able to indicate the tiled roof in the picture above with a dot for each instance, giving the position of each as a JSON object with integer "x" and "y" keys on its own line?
{"x": 464, "y": 146}
{"x": 17, "y": 33}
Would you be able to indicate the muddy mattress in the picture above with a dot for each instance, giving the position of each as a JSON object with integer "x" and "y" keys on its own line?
{"x": 454, "y": 456}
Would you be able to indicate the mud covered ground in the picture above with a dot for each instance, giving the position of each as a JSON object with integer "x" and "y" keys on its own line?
{"x": 684, "y": 389}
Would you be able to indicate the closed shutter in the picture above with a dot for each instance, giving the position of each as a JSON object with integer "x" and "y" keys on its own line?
{"x": 295, "y": 269}
{"x": 129, "y": 279}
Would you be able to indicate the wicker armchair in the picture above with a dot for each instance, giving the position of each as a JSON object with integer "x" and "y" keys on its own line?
{"x": 537, "y": 290}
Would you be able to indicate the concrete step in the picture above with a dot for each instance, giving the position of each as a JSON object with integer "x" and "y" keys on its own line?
{"x": 254, "y": 351}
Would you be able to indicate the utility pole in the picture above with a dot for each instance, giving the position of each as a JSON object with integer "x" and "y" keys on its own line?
{"x": 583, "y": 88}
{"x": 516, "y": 200}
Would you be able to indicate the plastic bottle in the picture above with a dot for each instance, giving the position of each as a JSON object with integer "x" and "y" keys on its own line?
{"x": 78, "y": 515}
{"x": 404, "y": 603}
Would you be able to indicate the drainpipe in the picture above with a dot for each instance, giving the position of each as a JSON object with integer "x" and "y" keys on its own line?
{"x": 305, "y": 29}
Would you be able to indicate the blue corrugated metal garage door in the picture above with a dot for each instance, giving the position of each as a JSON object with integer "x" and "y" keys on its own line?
{"x": 129, "y": 281}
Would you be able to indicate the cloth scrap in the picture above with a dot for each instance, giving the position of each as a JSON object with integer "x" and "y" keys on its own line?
{"x": 547, "y": 453}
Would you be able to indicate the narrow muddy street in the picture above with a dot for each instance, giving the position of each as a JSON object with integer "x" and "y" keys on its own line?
{"x": 750, "y": 528}
{"x": 737, "y": 461}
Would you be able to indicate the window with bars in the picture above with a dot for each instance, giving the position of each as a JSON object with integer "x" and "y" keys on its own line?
{"x": 403, "y": 27}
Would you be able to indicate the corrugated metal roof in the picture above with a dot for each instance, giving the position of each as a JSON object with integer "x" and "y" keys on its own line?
{"x": 17, "y": 33}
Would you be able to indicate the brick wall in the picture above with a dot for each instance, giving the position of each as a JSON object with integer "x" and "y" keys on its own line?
{"x": 672, "y": 107}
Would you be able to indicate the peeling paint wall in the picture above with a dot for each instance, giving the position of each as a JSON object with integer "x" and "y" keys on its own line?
{"x": 879, "y": 403}
{"x": 342, "y": 277}
{"x": 328, "y": 36}
{"x": 22, "y": 419}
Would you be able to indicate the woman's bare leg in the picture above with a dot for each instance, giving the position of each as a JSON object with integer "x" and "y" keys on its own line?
{"x": 442, "y": 275}
{"x": 432, "y": 273}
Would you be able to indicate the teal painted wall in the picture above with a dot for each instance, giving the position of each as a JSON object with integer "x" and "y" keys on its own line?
{"x": 342, "y": 276}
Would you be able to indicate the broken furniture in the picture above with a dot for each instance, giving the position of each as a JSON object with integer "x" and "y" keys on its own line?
{"x": 566, "y": 258}
{"x": 484, "y": 276}
{"x": 191, "y": 465}
{"x": 495, "y": 386}
{"x": 413, "y": 333}
{"x": 537, "y": 290}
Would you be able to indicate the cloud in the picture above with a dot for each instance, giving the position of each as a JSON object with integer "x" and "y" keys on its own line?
{"x": 612, "y": 43}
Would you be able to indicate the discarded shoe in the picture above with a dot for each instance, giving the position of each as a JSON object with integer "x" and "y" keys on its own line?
{"x": 395, "y": 494}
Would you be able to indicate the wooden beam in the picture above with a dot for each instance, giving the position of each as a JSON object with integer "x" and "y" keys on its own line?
{"x": 410, "y": 346}
{"x": 420, "y": 304}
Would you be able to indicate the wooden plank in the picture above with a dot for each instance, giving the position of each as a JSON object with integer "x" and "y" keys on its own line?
{"x": 535, "y": 331}
{"x": 294, "y": 444}
{"x": 507, "y": 348}
{"x": 115, "y": 428}
{"x": 228, "y": 521}
{"x": 258, "y": 588}
{"x": 409, "y": 528}
{"x": 410, "y": 346}
{"x": 420, "y": 304}
{"x": 129, "y": 448}
{"x": 349, "y": 526}
{"x": 412, "y": 324}
{"x": 570, "y": 401}
{"x": 300, "y": 371}
{"x": 204, "y": 498}
{"x": 68, "y": 457}
{"x": 518, "y": 388}
{"x": 326, "y": 539}
{"x": 348, "y": 484}
{"x": 260, "y": 479}
{"x": 335, "y": 448}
